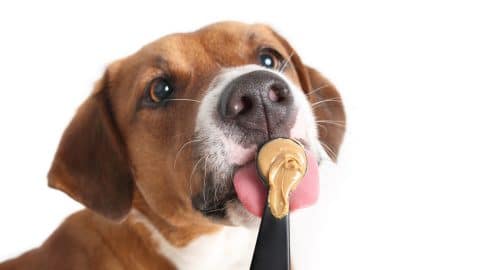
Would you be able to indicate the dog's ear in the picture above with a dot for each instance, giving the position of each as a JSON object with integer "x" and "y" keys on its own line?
{"x": 329, "y": 112}
{"x": 90, "y": 164}
{"x": 325, "y": 100}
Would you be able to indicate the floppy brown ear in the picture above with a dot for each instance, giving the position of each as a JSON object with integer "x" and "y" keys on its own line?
{"x": 90, "y": 164}
{"x": 326, "y": 102}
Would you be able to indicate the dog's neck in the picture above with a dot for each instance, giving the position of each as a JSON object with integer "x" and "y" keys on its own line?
{"x": 192, "y": 242}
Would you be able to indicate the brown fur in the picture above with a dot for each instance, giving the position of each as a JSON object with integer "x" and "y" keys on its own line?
{"x": 116, "y": 154}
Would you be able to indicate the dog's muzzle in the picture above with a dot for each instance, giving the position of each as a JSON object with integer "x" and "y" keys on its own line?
{"x": 258, "y": 103}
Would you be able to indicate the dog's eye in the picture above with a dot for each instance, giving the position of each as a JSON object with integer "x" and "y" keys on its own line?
{"x": 159, "y": 90}
{"x": 270, "y": 58}
{"x": 267, "y": 60}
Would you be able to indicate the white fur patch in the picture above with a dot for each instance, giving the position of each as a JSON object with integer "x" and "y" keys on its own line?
{"x": 229, "y": 249}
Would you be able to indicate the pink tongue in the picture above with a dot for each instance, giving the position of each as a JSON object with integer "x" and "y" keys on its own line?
{"x": 252, "y": 193}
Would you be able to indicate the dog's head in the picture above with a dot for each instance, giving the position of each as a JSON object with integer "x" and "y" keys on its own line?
{"x": 171, "y": 124}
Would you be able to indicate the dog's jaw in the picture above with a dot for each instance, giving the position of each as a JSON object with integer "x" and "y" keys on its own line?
{"x": 221, "y": 151}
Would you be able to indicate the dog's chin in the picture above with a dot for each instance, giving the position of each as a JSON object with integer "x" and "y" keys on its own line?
{"x": 227, "y": 211}
{"x": 218, "y": 201}
{"x": 237, "y": 215}
{"x": 233, "y": 214}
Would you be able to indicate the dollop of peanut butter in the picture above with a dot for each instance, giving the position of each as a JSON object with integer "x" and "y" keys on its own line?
{"x": 282, "y": 163}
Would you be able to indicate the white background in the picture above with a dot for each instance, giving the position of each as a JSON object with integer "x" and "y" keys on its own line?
{"x": 406, "y": 191}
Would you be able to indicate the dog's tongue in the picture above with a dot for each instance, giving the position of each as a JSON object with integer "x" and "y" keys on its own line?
{"x": 252, "y": 193}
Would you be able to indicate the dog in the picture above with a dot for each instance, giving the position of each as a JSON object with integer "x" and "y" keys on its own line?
{"x": 153, "y": 151}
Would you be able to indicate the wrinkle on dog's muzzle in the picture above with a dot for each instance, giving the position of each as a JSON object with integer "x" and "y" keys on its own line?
{"x": 259, "y": 101}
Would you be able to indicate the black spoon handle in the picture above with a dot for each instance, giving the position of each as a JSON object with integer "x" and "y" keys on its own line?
{"x": 272, "y": 250}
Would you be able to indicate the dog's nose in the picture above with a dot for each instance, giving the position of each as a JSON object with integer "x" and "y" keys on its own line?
{"x": 258, "y": 101}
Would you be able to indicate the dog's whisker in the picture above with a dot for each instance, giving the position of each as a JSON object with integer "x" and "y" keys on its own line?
{"x": 193, "y": 171}
{"x": 215, "y": 210}
{"x": 332, "y": 122}
{"x": 315, "y": 104}
{"x": 325, "y": 129}
{"x": 317, "y": 89}
{"x": 181, "y": 149}
{"x": 218, "y": 209}
{"x": 218, "y": 65}
{"x": 286, "y": 62}
{"x": 215, "y": 189}
{"x": 329, "y": 149}
{"x": 205, "y": 178}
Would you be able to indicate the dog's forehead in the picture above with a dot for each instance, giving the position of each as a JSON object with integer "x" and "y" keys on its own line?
{"x": 222, "y": 42}
{"x": 194, "y": 57}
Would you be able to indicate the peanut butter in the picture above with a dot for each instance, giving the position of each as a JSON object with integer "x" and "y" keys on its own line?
{"x": 281, "y": 163}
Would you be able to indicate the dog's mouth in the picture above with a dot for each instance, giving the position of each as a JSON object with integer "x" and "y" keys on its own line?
{"x": 246, "y": 108}
{"x": 218, "y": 192}
{"x": 214, "y": 205}
{"x": 240, "y": 193}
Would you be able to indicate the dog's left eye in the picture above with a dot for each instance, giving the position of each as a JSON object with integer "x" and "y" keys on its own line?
{"x": 159, "y": 89}
{"x": 267, "y": 60}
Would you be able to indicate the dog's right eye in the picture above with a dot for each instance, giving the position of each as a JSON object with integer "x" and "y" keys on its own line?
{"x": 270, "y": 58}
{"x": 159, "y": 90}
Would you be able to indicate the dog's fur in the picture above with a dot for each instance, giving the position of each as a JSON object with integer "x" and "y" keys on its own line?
{"x": 138, "y": 166}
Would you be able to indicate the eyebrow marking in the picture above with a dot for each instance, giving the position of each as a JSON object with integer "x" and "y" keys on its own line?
{"x": 252, "y": 36}
{"x": 160, "y": 63}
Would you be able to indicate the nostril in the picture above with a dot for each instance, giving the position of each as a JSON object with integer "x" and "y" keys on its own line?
{"x": 277, "y": 93}
{"x": 239, "y": 106}
{"x": 246, "y": 104}
{"x": 273, "y": 96}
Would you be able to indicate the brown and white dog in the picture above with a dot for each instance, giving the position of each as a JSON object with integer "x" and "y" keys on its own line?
{"x": 153, "y": 151}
